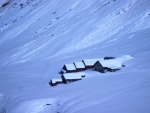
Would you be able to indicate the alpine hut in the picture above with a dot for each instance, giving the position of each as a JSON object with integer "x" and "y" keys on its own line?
{"x": 107, "y": 65}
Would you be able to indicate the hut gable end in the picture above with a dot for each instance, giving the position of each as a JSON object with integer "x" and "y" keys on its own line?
{"x": 98, "y": 67}
{"x": 64, "y": 67}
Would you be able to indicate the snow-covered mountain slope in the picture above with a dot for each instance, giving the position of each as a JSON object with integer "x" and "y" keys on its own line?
{"x": 38, "y": 36}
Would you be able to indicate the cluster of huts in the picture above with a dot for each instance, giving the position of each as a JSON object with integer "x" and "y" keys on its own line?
{"x": 75, "y": 71}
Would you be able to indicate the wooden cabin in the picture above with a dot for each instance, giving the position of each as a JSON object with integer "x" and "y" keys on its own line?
{"x": 89, "y": 63}
{"x": 69, "y": 68}
{"x": 54, "y": 82}
{"x": 72, "y": 77}
{"x": 107, "y": 65}
{"x": 79, "y": 66}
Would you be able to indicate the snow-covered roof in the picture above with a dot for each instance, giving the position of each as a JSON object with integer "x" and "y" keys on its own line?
{"x": 73, "y": 75}
{"x": 113, "y": 63}
{"x": 79, "y": 65}
{"x": 70, "y": 66}
{"x": 56, "y": 80}
{"x": 91, "y": 62}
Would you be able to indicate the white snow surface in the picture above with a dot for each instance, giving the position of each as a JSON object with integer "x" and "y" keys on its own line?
{"x": 39, "y": 106}
{"x": 37, "y": 37}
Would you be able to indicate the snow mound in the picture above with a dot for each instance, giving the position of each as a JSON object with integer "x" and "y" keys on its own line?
{"x": 124, "y": 58}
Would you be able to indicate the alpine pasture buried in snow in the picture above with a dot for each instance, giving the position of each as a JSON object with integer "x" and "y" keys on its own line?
{"x": 37, "y": 37}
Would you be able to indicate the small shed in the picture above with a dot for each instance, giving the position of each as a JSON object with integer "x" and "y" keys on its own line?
{"x": 107, "y": 65}
{"x": 89, "y": 63}
{"x": 71, "y": 77}
{"x": 54, "y": 82}
{"x": 69, "y": 68}
{"x": 79, "y": 66}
